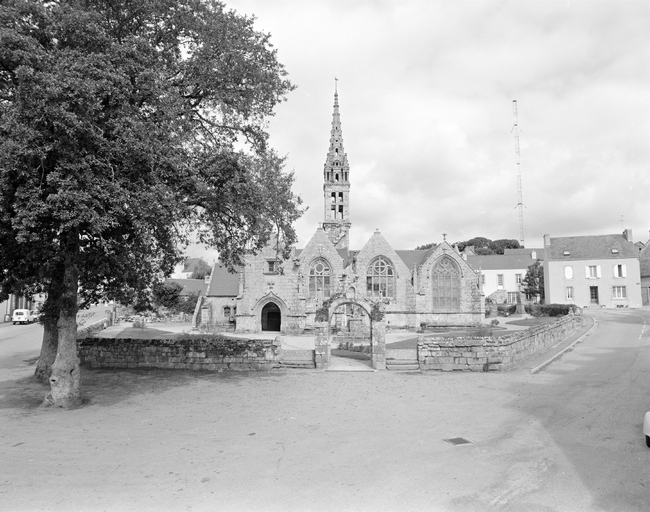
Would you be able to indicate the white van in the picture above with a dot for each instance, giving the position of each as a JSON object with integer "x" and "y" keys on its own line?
{"x": 21, "y": 316}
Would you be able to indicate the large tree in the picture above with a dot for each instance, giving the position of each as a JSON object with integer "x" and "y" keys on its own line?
{"x": 126, "y": 126}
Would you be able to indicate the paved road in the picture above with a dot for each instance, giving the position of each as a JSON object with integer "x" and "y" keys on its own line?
{"x": 566, "y": 439}
{"x": 21, "y": 344}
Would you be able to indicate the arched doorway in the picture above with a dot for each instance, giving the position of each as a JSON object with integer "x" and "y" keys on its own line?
{"x": 358, "y": 306}
{"x": 271, "y": 317}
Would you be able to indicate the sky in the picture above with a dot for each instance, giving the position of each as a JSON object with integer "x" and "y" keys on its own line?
{"x": 426, "y": 92}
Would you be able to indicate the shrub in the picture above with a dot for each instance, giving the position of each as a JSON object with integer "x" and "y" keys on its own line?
{"x": 494, "y": 322}
{"x": 506, "y": 309}
{"x": 550, "y": 309}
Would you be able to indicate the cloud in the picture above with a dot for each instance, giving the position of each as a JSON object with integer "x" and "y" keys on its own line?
{"x": 426, "y": 92}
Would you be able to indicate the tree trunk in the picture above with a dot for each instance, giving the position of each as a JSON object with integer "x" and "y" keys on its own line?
{"x": 65, "y": 380}
{"x": 48, "y": 351}
{"x": 50, "y": 315}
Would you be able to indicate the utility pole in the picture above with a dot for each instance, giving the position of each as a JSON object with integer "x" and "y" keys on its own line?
{"x": 520, "y": 198}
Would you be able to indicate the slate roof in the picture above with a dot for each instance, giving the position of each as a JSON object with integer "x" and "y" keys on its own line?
{"x": 591, "y": 247}
{"x": 414, "y": 257}
{"x": 190, "y": 286}
{"x": 502, "y": 261}
{"x": 191, "y": 264}
{"x": 524, "y": 251}
{"x": 224, "y": 283}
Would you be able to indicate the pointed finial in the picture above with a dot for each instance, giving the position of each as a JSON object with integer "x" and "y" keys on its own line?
{"x": 336, "y": 85}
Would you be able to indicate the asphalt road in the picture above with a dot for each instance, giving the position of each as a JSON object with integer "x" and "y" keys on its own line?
{"x": 21, "y": 344}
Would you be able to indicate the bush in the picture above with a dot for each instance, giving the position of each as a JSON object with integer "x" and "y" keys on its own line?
{"x": 494, "y": 322}
{"x": 506, "y": 309}
{"x": 550, "y": 309}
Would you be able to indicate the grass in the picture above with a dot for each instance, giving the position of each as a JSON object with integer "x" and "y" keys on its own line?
{"x": 136, "y": 333}
{"x": 534, "y": 321}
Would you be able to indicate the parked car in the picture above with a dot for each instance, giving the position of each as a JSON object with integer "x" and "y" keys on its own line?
{"x": 646, "y": 428}
{"x": 21, "y": 316}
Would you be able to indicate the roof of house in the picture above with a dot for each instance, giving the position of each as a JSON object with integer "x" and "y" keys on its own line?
{"x": 502, "y": 261}
{"x": 591, "y": 247}
{"x": 198, "y": 286}
{"x": 523, "y": 251}
{"x": 224, "y": 283}
{"x": 191, "y": 264}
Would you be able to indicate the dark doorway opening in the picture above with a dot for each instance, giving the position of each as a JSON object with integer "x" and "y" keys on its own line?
{"x": 593, "y": 294}
{"x": 271, "y": 317}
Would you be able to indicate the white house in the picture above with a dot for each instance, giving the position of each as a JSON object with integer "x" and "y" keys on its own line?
{"x": 592, "y": 271}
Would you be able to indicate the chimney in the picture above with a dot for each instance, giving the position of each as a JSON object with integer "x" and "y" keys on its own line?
{"x": 547, "y": 240}
{"x": 628, "y": 235}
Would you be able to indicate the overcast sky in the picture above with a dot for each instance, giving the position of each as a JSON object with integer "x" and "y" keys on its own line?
{"x": 426, "y": 92}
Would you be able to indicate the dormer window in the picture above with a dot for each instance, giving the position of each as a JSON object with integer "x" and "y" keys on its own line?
{"x": 567, "y": 253}
{"x": 614, "y": 250}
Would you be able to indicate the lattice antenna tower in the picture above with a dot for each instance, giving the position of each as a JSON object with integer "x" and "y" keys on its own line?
{"x": 520, "y": 196}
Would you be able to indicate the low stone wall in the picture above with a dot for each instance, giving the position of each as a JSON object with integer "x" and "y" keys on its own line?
{"x": 492, "y": 354}
{"x": 185, "y": 354}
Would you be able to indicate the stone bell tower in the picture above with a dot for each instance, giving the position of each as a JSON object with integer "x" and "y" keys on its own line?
{"x": 336, "y": 185}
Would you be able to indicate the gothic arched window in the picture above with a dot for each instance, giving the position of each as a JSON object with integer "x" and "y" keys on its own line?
{"x": 380, "y": 279}
{"x": 445, "y": 285}
{"x": 319, "y": 279}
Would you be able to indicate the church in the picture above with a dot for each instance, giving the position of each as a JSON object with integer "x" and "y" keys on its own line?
{"x": 411, "y": 287}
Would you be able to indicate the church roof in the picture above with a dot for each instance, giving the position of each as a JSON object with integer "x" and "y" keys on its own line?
{"x": 415, "y": 257}
{"x": 224, "y": 283}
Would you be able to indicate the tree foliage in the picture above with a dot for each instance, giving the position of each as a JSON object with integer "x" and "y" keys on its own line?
{"x": 534, "y": 280}
{"x": 126, "y": 127}
{"x": 481, "y": 245}
{"x": 167, "y": 295}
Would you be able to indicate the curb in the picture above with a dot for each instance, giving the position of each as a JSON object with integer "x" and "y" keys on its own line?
{"x": 569, "y": 348}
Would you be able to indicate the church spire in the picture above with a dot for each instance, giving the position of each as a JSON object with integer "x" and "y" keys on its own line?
{"x": 336, "y": 184}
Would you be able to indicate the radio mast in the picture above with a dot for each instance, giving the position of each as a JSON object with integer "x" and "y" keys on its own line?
{"x": 520, "y": 199}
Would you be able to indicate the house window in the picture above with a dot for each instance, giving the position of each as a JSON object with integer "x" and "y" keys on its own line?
{"x": 333, "y": 198}
{"x": 512, "y": 297}
{"x": 619, "y": 271}
{"x": 500, "y": 280}
{"x": 340, "y": 197}
{"x": 445, "y": 285}
{"x": 518, "y": 278}
{"x": 569, "y": 293}
{"x": 319, "y": 279}
{"x": 592, "y": 272}
{"x": 271, "y": 266}
{"x": 619, "y": 292}
{"x": 380, "y": 279}
{"x": 568, "y": 272}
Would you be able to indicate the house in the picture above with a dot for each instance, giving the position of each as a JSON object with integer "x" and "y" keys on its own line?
{"x": 412, "y": 287}
{"x": 592, "y": 271}
{"x": 502, "y": 274}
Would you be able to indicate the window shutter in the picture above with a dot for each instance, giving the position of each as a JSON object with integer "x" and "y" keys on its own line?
{"x": 624, "y": 270}
{"x": 598, "y": 272}
{"x": 614, "y": 270}
{"x": 587, "y": 271}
